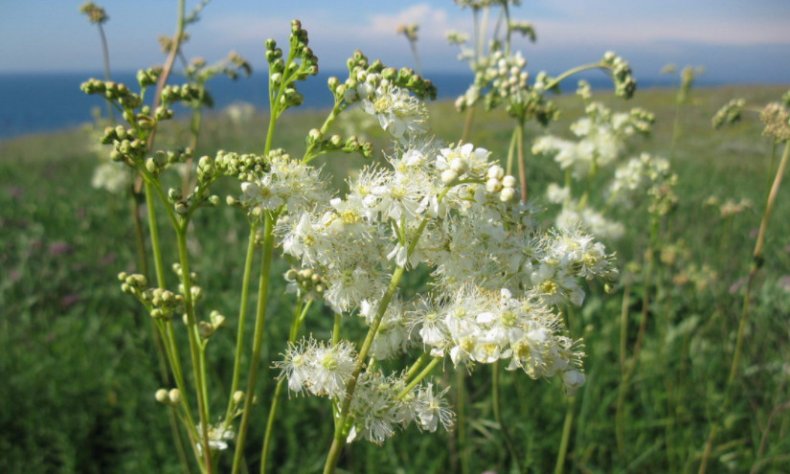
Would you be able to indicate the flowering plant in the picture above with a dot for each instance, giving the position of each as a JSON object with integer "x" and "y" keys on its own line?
{"x": 498, "y": 286}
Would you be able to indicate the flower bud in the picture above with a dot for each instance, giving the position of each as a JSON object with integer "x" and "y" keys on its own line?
{"x": 161, "y": 395}
{"x": 458, "y": 165}
{"x": 507, "y": 194}
{"x": 493, "y": 185}
{"x": 448, "y": 176}
{"x": 496, "y": 171}
{"x": 174, "y": 395}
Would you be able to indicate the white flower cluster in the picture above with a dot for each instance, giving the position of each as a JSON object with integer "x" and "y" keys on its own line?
{"x": 485, "y": 326}
{"x": 351, "y": 240}
{"x": 575, "y": 216}
{"x": 289, "y": 183}
{"x": 380, "y": 405}
{"x": 502, "y": 75}
{"x": 644, "y": 175}
{"x": 601, "y": 139}
{"x": 378, "y": 408}
{"x": 112, "y": 177}
{"x": 497, "y": 278}
{"x": 398, "y": 112}
{"x": 239, "y": 113}
{"x": 319, "y": 368}
{"x": 218, "y": 435}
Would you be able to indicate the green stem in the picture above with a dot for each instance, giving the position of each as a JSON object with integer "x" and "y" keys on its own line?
{"x": 460, "y": 410}
{"x": 417, "y": 366}
{"x": 196, "y": 353}
{"x": 260, "y": 323}
{"x": 483, "y": 30}
{"x": 511, "y": 151}
{"x": 309, "y": 154}
{"x": 757, "y": 261}
{"x": 153, "y": 229}
{"x": 619, "y": 417}
{"x": 194, "y": 128}
{"x": 299, "y": 316}
{"x": 468, "y": 122}
{"x": 106, "y": 61}
{"x": 675, "y": 130}
{"x": 559, "y": 467}
{"x": 338, "y": 441}
{"x": 419, "y": 378}
{"x": 417, "y": 65}
{"x": 336, "y": 328}
{"x": 522, "y": 170}
{"x": 570, "y": 72}
{"x": 245, "y": 295}
{"x": 496, "y": 403}
{"x": 172, "y": 417}
{"x": 142, "y": 258}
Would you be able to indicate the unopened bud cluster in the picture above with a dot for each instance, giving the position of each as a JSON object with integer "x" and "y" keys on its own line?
{"x": 524, "y": 28}
{"x": 409, "y": 31}
{"x": 161, "y": 303}
{"x": 497, "y": 182}
{"x": 208, "y": 328}
{"x": 112, "y": 91}
{"x": 300, "y": 64}
{"x": 195, "y": 291}
{"x": 729, "y": 114}
{"x": 623, "y": 76}
{"x": 320, "y": 143}
{"x": 365, "y": 77}
{"x": 168, "y": 397}
{"x": 95, "y": 13}
{"x": 305, "y": 281}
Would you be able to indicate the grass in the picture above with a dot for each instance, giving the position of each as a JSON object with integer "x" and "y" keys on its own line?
{"x": 79, "y": 369}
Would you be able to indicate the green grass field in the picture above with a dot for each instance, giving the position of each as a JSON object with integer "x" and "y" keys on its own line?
{"x": 79, "y": 370}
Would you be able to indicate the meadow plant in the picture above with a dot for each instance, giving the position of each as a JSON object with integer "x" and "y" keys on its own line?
{"x": 501, "y": 78}
{"x": 775, "y": 117}
{"x": 428, "y": 260}
{"x": 499, "y": 281}
{"x": 687, "y": 76}
{"x": 410, "y": 32}
{"x": 601, "y": 142}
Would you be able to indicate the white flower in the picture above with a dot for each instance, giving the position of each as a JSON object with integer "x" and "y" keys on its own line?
{"x": 399, "y": 113}
{"x": 431, "y": 410}
{"x": 289, "y": 183}
{"x": 557, "y": 194}
{"x": 464, "y": 160}
{"x": 112, "y": 177}
{"x": 218, "y": 437}
{"x": 322, "y": 369}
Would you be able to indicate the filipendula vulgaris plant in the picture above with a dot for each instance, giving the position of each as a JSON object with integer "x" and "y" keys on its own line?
{"x": 776, "y": 120}
{"x": 687, "y": 77}
{"x": 497, "y": 284}
{"x": 501, "y": 78}
{"x": 108, "y": 175}
{"x": 602, "y": 138}
{"x": 409, "y": 31}
{"x": 642, "y": 185}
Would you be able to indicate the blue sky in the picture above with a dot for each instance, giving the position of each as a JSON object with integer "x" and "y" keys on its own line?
{"x": 736, "y": 40}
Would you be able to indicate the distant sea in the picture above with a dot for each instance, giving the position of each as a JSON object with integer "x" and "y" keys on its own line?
{"x": 31, "y": 103}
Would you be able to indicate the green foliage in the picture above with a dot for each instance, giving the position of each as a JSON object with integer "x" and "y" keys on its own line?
{"x": 79, "y": 368}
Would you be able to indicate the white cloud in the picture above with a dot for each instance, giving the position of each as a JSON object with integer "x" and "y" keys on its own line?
{"x": 679, "y": 30}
